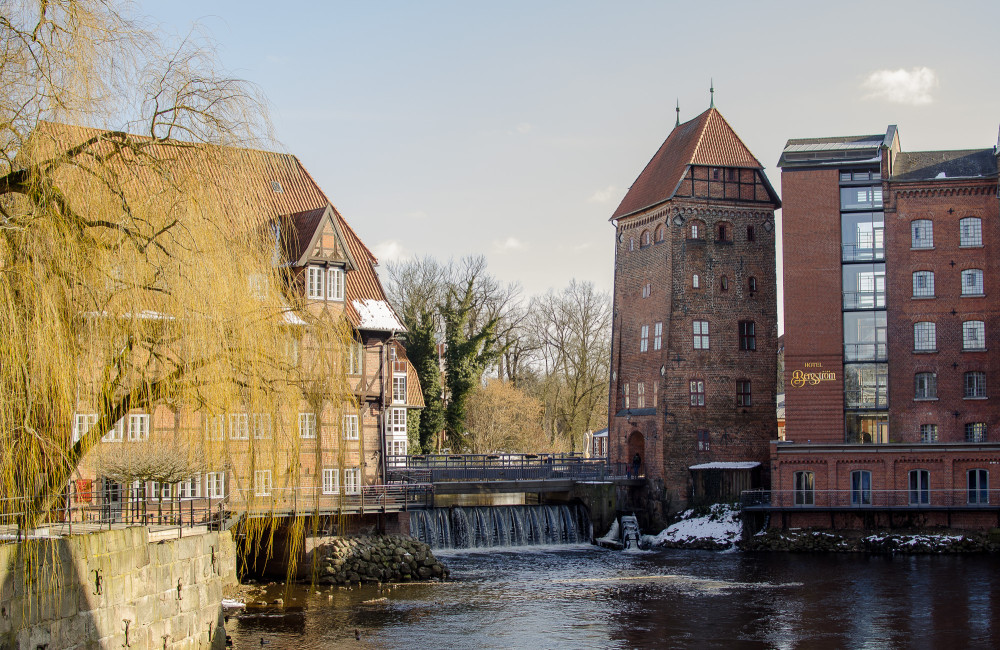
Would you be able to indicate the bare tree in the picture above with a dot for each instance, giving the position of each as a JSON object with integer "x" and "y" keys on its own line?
{"x": 501, "y": 418}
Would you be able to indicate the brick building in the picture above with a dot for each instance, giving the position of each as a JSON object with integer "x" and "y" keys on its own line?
{"x": 891, "y": 334}
{"x": 694, "y": 331}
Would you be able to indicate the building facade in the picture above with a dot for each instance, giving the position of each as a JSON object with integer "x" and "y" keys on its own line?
{"x": 695, "y": 329}
{"x": 891, "y": 332}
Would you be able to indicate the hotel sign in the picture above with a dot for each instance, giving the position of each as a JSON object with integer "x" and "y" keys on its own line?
{"x": 811, "y": 377}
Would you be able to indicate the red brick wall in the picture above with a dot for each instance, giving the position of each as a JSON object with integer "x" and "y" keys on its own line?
{"x": 813, "y": 315}
{"x": 944, "y": 203}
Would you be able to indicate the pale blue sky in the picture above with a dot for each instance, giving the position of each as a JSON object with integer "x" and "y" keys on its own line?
{"x": 513, "y": 129}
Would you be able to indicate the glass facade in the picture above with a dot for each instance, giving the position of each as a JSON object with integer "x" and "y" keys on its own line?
{"x": 866, "y": 371}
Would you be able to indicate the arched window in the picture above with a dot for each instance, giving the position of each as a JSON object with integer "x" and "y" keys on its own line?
{"x": 922, "y": 233}
{"x": 631, "y": 243}
{"x": 695, "y": 281}
{"x": 923, "y": 284}
{"x": 644, "y": 238}
{"x": 970, "y": 231}
{"x": 972, "y": 282}
{"x": 658, "y": 235}
{"x": 697, "y": 228}
{"x": 752, "y": 284}
{"x": 724, "y": 232}
{"x": 724, "y": 283}
{"x": 920, "y": 487}
{"x": 804, "y": 485}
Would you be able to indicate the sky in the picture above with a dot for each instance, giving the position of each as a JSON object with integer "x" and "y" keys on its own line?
{"x": 513, "y": 129}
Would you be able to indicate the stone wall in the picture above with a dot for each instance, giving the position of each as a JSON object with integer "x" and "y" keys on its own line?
{"x": 85, "y": 591}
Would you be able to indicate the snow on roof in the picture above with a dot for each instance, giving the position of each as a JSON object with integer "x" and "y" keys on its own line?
{"x": 293, "y": 319}
{"x": 377, "y": 315}
{"x": 739, "y": 465}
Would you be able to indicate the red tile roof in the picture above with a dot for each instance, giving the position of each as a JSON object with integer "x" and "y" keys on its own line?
{"x": 706, "y": 140}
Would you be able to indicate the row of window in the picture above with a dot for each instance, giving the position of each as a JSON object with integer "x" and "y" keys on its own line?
{"x": 974, "y": 432}
{"x": 973, "y": 336}
{"x": 214, "y": 484}
{"x": 263, "y": 485}
{"x": 324, "y": 283}
{"x": 919, "y": 492}
{"x": 972, "y": 283}
{"x": 640, "y": 395}
{"x": 723, "y": 283}
{"x": 724, "y": 232}
{"x": 925, "y": 385}
{"x": 970, "y": 233}
{"x": 696, "y": 392}
{"x": 701, "y": 339}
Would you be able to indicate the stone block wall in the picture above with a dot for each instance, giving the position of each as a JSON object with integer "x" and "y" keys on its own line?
{"x": 85, "y": 591}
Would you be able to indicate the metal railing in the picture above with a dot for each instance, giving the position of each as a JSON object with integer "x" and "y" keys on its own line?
{"x": 76, "y": 513}
{"x": 366, "y": 499}
{"x": 434, "y": 468}
{"x": 871, "y": 498}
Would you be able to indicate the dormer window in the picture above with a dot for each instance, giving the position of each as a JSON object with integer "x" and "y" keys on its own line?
{"x": 335, "y": 284}
{"x": 314, "y": 282}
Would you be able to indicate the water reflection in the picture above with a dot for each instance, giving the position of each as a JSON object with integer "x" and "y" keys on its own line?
{"x": 585, "y": 597}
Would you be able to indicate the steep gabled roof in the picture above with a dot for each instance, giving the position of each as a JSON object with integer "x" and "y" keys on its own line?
{"x": 706, "y": 140}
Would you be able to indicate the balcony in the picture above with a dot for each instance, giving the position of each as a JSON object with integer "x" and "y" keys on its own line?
{"x": 864, "y": 300}
{"x": 862, "y": 253}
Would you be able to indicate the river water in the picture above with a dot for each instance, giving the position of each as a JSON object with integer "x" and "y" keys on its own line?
{"x": 587, "y": 597}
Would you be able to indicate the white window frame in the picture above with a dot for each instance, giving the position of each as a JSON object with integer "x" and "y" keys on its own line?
{"x": 335, "y": 283}
{"x": 397, "y": 421}
{"x": 115, "y": 433}
{"x": 239, "y": 426}
{"x": 647, "y": 289}
{"x": 970, "y": 232}
{"x": 352, "y": 428}
{"x": 923, "y": 284}
{"x": 657, "y": 335}
{"x": 262, "y": 484}
{"x": 261, "y": 426}
{"x": 82, "y": 423}
{"x": 331, "y": 480}
{"x": 215, "y": 485}
{"x": 925, "y": 336}
{"x": 644, "y": 338}
{"x": 307, "y": 425}
{"x": 921, "y": 234}
{"x": 972, "y": 282}
{"x": 314, "y": 283}
{"x": 695, "y": 281}
{"x": 215, "y": 427}
{"x": 191, "y": 488}
{"x": 974, "y": 335}
{"x": 640, "y": 395}
{"x": 355, "y": 354}
{"x": 352, "y": 480}
{"x": 399, "y": 389}
{"x": 138, "y": 427}
{"x": 701, "y": 336}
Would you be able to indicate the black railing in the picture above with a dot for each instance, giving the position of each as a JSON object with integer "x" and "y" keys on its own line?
{"x": 497, "y": 467}
{"x": 365, "y": 499}
{"x": 871, "y": 498}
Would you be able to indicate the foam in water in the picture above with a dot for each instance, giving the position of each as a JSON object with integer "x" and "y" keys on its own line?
{"x": 500, "y": 526}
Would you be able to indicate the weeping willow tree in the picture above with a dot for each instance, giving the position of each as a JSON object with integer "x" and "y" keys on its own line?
{"x": 138, "y": 267}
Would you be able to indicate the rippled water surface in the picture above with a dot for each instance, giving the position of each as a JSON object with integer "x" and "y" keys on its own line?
{"x": 586, "y": 597}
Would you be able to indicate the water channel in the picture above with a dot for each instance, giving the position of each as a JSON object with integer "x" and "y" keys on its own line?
{"x": 581, "y": 596}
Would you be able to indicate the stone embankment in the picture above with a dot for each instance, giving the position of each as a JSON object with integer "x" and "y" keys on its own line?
{"x": 377, "y": 558}
{"x": 807, "y": 541}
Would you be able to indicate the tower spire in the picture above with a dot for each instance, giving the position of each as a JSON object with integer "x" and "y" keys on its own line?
{"x": 678, "y": 122}
{"x": 711, "y": 92}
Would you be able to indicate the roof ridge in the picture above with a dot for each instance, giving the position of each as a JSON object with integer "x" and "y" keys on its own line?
{"x": 715, "y": 112}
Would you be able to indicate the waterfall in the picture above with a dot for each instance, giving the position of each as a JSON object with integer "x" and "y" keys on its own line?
{"x": 500, "y": 526}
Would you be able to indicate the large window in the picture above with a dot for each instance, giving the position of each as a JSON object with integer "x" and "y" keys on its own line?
{"x": 924, "y": 336}
{"x": 215, "y": 427}
{"x": 399, "y": 389}
{"x": 864, "y": 286}
{"x": 861, "y": 488}
{"x": 928, "y": 433}
{"x": 970, "y": 232}
{"x": 866, "y": 385}
{"x": 925, "y": 385}
{"x": 922, "y": 233}
{"x": 239, "y": 426}
{"x": 262, "y": 482}
{"x": 697, "y": 392}
{"x": 640, "y": 395}
{"x": 657, "y": 336}
{"x": 331, "y": 480}
{"x": 743, "y": 392}
{"x": 397, "y": 421}
{"x": 314, "y": 283}
{"x": 975, "y": 385}
{"x": 701, "y": 335}
{"x": 975, "y": 432}
{"x": 351, "y": 431}
{"x": 979, "y": 486}
{"x": 335, "y": 284}
{"x": 923, "y": 284}
{"x": 920, "y": 487}
{"x": 860, "y": 198}
{"x": 644, "y": 338}
{"x": 307, "y": 425}
{"x": 215, "y": 483}
{"x": 973, "y": 335}
{"x": 81, "y": 425}
{"x": 805, "y": 483}
{"x": 972, "y": 282}
{"x": 748, "y": 335}
{"x": 191, "y": 488}
{"x": 352, "y": 481}
{"x": 138, "y": 426}
{"x": 704, "y": 441}
{"x": 261, "y": 426}
{"x": 862, "y": 234}
{"x": 865, "y": 336}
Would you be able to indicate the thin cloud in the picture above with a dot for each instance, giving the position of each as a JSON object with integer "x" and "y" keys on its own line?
{"x": 521, "y": 128}
{"x": 511, "y": 244}
{"x": 603, "y": 196}
{"x": 901, "y": 86}
{"x": 390, "y": 251}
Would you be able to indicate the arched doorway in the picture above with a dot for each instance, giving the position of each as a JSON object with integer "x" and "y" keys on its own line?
{"x": 636, "y": 447}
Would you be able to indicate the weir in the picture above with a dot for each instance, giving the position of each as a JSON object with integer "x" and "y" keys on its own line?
{"x": 500, "y": 526}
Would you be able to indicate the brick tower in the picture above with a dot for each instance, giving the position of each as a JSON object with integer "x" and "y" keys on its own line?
{"x": 693, "y": 361}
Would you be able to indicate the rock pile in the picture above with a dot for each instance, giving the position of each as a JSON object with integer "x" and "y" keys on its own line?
{"x": 377, "y": 558}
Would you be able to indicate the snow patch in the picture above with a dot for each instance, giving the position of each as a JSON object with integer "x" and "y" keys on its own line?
{"x": 721, "y": 526}
{"x": 230, "y": 603}
{"x": 377, "y": 315}
{"x": 613, "y": 533}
